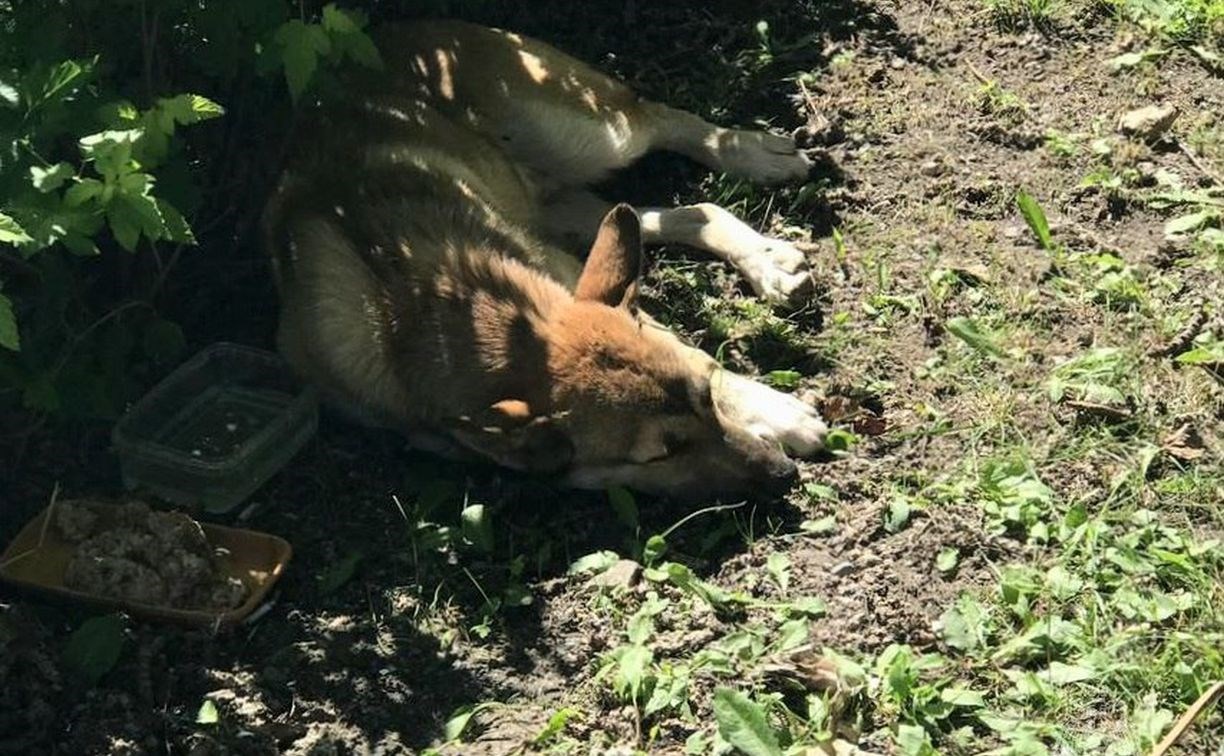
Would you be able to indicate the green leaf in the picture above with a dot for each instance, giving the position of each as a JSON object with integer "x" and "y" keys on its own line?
{"x": 9, "y": 338}
{"x": 912, "y": 740}
{"x": 624, "y": 505}
{"x": 783, "y": 379}
{"x": 458, "y": 723}
{"x": 655, "y": 548}
{"x": 812, "y": 607}
{"x": 963, "y": 626}
{"x": 1190, "y": 222}
{"x": 125, "y": 227}
{"x": 594, "y": 563}
{"x": 338, "y": 573}
{"x": 477, "y": 527}
{"x": 967, "y": 331}
{"x": 207, "y": 714}
{"x": 840, "y": 440}
{"x": 898, "y": 515}
{"x": 187, "y": 109}
{"x": 962, "y": 697}
{"x": 778, "y": 565}
{"x": 743, "y": 724}
{"x": 49, "y": 179}
{"x": 62, "y": 81}
{"x": 94, "y": 647}
{"x": 947, "y": 559}
{"x": 82, "y": 191}
{"x": 338, "y": 21}
{"x": 11, "y": 231}
{"x": 1035, "y": 217}
{"x": 1065, "y": 674}
{"x": 177, "y": 228}
{"x": 556, "y": 725}
{"x": 300, "y": 44}
{"x": 631, "y": 671}
{"x": 820, "y": 526}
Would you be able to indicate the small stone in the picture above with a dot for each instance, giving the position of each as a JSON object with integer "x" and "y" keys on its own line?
{"x": 842, "y": 569}
{"x": 1148, "y": 122}
{"x": 623, "y": 574}
{"x": 932, "y": 168}
{"x": 896, "y": 64}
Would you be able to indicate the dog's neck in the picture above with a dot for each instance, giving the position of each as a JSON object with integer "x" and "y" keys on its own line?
{"x": 488, "y": 317}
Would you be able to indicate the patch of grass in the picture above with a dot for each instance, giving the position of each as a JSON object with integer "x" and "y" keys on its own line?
{"x": 1012, "y": 15}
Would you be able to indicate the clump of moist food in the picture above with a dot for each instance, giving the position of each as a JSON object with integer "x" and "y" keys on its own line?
{"x": 134, "y": 553}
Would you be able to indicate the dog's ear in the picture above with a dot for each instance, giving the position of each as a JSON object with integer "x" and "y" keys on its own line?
{"x": 510, "y": 435}
{"x": 615, "y": 262}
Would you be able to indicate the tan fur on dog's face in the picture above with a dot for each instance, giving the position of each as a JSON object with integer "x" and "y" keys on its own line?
{"x": 627, "y": 406}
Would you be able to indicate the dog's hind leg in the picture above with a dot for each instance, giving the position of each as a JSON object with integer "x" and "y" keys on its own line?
{"x": 775, "y": 269}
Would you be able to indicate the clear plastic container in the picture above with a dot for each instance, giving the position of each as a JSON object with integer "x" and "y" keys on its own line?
{"x": 216, "y": 429}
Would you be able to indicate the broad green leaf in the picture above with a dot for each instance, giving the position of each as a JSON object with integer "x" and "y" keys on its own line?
{"x": 820, "y": 526}
{"x": 962, "y": 697}
{"x": 1064, "y": 674}
{"x": 477, "y": 527}
{"x": 300, "y": 44}
{"x": 947, "y": 559}
{"x": 11, "y": 231}
{"x": 207, "y": 713}
{"x": 82, "y": 191}
{"x": 49, "y": 179}
{"x": 964, "y": 626}
{"x": 125, "y": 226}
{"x": 743, "y": 724}
{"x": 812, "y": 607}
{"x": 187, "y": 109}
{"x": 912, "y": 740}
{"x": 94, "y": 647}
{"x": 9, "y": 338}
{"x": 1200, "y": 356}
{"x": 967, "y": 331}
{"x": 594, "y": 563}
{"x": 556, "y": 725}
{"x": 897, "y": 516}
{"x": 840, "y": 440}
{"x": 1035, "y": 217}
{"x": 1190, "y": 222}
{"x": 459, "y": 722}
{"x": 177, "y": 228}
{"x": 631, "y": 671}
{"x": 783, "y": 379}
{"x": 338, "y": 21}
{"x": 655, "y": 548}
{"x": 778, "y": 565}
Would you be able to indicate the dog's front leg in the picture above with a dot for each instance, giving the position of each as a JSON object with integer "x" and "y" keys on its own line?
{"x": 768, "y": 413}
{"x": 776, "y": 270}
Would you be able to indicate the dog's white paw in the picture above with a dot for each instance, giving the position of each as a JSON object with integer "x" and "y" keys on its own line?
{"x": 762, "y": 157}
{"x": 769, "y": 414}
{"x": 777, "y": 271}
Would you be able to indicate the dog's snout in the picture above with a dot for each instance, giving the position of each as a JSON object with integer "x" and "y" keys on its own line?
{"x": 781, "y": 474}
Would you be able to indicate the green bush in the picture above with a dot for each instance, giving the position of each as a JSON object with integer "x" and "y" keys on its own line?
{"x": 104, "y": 171}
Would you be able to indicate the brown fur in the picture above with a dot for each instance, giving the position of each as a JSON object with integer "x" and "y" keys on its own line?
{"x": 414, "y": 241}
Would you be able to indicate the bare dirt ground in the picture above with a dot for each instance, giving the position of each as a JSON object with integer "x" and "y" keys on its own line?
{"x": 929, "y": 118}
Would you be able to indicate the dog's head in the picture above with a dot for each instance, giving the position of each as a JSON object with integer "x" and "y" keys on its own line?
{"x": 627, "y": 403}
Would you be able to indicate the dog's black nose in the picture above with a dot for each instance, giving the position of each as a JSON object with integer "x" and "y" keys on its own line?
{"x": 782, "y": 474}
